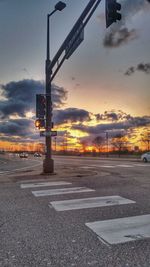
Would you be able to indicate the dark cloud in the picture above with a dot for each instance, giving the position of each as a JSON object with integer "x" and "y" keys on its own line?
{"x": 59, "y": 96}
{"x": 144, "y": 67}
{"x": 132, "y": 122}
{"x": 19, "y": 127}
{"x": 98, "y": 129}
{"x": 71, "y": 115}
{"x": 113, "y": 116}
{"x": 107, "y": 116}
{"x": 117, "y": 38}
{"x": 130, "y": 71}
{"x": 20, "y": 97}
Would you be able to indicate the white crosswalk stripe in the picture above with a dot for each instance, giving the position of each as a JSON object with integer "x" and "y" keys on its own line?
{"x": 125, "y": 166}
{"x": 61, "y": 191}
{"x": 122, "y": 230}
{"x": 142, "y": 165}
{"x": 107, "y": 166}
{"x": 93, "y": 202}
{"x": 43, "y": 184}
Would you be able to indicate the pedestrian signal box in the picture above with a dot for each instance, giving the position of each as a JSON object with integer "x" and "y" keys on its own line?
{"x": 40, "y": 123}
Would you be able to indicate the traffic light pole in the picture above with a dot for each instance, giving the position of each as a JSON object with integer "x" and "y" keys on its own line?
{"x": 48, "y": 163}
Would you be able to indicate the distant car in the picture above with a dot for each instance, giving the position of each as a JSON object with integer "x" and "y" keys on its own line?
{"x": 23, "y": 155}
{"x": 146, "y": 157}
{"x": 37, "y": 155}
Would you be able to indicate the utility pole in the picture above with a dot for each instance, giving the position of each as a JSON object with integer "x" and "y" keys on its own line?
{"x": 55, "y": 144}
{"x": 107, "y": 144}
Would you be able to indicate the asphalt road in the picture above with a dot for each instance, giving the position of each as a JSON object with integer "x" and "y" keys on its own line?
{"x": 10, "y": 163}
{"x": 53, "y": 225}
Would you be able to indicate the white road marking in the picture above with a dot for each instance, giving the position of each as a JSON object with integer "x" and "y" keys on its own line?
{"x": 42, "y": 184}
{"x": 122, "y": 230}
{"x": 94, "y": 202}
{"x": 125, "y": 166}
{"x": 87, "y": 167}
{"x": 61, "y": 191}
{"x": 142, "y": 165}
{"x": 107, "y": 166}
{"x": 98, "y": 166}
{"x": 116, "y": 165}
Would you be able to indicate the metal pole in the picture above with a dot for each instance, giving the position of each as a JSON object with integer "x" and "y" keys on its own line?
{"x": 48, "y": 163}
{"x": 107, "y": 144}
{"x": 55, "y": 144}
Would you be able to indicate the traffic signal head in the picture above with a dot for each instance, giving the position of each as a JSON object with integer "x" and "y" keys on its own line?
{"x": 40, "y": 106}
{"x": 112, "y": 14}
{"x": 39, "y": 123}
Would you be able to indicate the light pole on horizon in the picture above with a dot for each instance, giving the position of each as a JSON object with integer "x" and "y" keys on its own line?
{"x": 107, "y": 139}
{"x": 48, "y": 163}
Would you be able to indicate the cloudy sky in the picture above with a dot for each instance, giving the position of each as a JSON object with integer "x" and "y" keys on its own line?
{"x": 104, "y": 86}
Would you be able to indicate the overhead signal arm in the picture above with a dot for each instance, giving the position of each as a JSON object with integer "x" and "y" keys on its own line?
{"x": 76, "y": 31}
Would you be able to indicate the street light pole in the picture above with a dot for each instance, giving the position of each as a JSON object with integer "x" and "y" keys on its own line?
{"x": 107, "y": 139}
{"x": 48, "y": 163}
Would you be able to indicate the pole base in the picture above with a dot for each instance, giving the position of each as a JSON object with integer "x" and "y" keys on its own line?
{"x": 48, "y": 166}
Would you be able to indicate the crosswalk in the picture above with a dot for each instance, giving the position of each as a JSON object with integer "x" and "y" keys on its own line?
{"x": 110, "y": 232}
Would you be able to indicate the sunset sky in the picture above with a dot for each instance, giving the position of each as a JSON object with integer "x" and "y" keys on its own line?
{"x": 103, "y": 87}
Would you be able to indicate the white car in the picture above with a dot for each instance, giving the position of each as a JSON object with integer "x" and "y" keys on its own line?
{"x": 23, "y": 155}
{"x": 146, "y": 157}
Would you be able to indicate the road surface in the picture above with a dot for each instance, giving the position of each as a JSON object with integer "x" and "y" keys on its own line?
{"x": 99, "y": 218}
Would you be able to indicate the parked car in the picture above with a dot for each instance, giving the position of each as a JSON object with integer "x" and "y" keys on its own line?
{"x": 37, "y": 155}
{"x": 23, "y": 155}
{"x": 146, "y": 157}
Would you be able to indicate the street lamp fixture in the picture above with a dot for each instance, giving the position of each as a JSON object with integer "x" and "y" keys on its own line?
{"x": 48, "y": 163}
{"x": 60, "y": 6}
